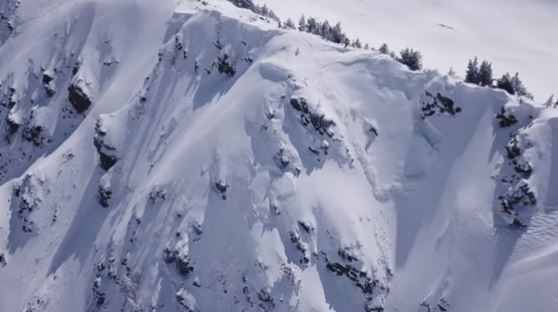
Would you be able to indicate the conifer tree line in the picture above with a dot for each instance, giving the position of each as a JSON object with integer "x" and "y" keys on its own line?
{"x": 479, "y": 74}
{"x": 409, "y": 57}
{"x": 482, "y": 75}
{"x": 334, "y": 33}
{"x": 327, "y": 31}
{"x": 261, "y": 10}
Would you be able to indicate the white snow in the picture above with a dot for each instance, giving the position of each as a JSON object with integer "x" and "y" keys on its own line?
{"x": 227, "y": 165}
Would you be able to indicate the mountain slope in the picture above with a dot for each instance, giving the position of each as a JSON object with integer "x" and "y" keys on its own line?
{"x": 196, "y": 158}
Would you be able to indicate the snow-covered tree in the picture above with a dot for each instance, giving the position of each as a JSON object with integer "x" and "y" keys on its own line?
{"x": 289, "y": 24}
{"x": 337, "y": 34}
{"x": 264, "y": 10}
{"x": 312, "y": 26}
{"x": 302, "y": 23}
{"x": 513, "y": 85}
{"x": 485, "y": 74}
{"x": 411, "y": 58}
{"x": 325, "y": 31}
{"x": 451, "y": 72}
{"x": 357, "y": 44}
{"x": 384, "y": 49}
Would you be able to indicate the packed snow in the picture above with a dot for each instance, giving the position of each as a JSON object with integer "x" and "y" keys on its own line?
{"x": 192, "y": 156}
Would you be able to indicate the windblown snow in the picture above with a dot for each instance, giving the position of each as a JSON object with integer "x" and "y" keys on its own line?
{"x": 191, "y": 156}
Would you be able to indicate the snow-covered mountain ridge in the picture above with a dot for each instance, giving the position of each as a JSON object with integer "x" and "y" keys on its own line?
{"x": 193, "y": 157}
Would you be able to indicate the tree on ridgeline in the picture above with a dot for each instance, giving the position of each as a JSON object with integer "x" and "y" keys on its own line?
{"x": 485, "y": 74}
{"x": 411, "y": 58}
{"x": 472, "y": 74}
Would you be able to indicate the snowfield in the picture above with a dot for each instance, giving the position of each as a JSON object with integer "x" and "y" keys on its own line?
{"x": 191, "y": 156}
{"x": 516, "y": 36}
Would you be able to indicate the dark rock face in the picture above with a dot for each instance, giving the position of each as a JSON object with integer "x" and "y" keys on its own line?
{"x": 3, "y": 261}
{"x": 221, "y": 187}
{"x": 318, "y": 120}
{"x": 301, "y": 246}
{"x": 26, "y": 201}
{"x": 79, "y": 100}
{"x": 438, "y": 105}
{"x": 107, "y": 161}
{"x": 512, "y": 149}
{"x": 34, "y": 134}
{"x": 13, "y": 126}
{"x": 360, "y": 279}
{"x": 48, "y": 84}
{"x": 46, "y": 78}
{"x": 104, "y": 197}
{"x": 107, "y": 154}
{"x": 347, "y": 265}
{"x": 442, "y": 306}
{"x": 266, "y": 301}
{"x": 181, "y": 262}
{"x": 225, "y": 67}
{"x": 518, "y": 197}
{"x": 305, "y": 226}
{"x": 157, "y": 195}
{"x": 505, "y": 119}
{"x": 300, "y": 105}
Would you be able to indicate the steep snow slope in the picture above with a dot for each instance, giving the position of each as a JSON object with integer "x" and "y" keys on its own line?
{"x": 518, "y": 35}
{"x": 192, "y": 157}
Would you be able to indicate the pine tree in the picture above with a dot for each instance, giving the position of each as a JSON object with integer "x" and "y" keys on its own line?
{"x": 325, "y": 31}
{"x": 337, "y": 34}
{"x": 519, "y": 87}
{"x": 505, "y": 83}
{"x": 451, "y": 72}
{"x": 472, "y": 74}
{"x": 384, "y": 49}
{"x": 264, "y": 10}
{"x": 411, "y": 58}
{"x": 302, "y": 23}
{"x": 312, "y": 26}
{"x": 289, "y": 24}
{"x": 367, "y": 47}
{"x": 273, "y": 16}
{"x": 485, "y": 74}
{"x": 357, "y": 44}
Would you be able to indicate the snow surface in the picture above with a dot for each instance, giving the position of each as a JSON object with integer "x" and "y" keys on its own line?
{"x": 518, "y": 35}
{"x": 223, "y": 164}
